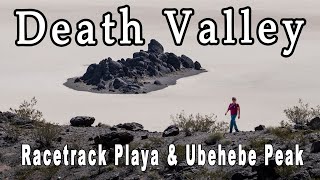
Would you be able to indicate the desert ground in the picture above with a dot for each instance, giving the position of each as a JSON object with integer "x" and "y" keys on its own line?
{"x": 264, "y": 82}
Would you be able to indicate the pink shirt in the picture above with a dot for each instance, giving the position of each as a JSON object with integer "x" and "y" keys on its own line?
{"x": 234, "y": 108}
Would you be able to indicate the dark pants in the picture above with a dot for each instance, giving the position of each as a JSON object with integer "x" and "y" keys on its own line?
{"x": 233, "y": 123}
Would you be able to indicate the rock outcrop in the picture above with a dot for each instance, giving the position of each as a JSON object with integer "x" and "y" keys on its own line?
{"x": 126, "y": 75}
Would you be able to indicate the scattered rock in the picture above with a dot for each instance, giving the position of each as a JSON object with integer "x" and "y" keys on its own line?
{"x": 113, "y": 128}
{"x": 144, "y": 136}
{"x": 188, "y": 133}
{"x": 82, "y": 121}
{"x": 260, "y": 128}
{"x": 131, "y": 126}
{"x": 315, "y": 123}
{"x": 59, "y": 139}
{"x": 172, "y": 130}
{"x": 110, "y": 139}
{"x": 315, "y": 148}
{"x": 157, "y": 82}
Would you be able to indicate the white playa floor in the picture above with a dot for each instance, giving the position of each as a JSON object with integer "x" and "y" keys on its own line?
{"x": 264, "y": 82}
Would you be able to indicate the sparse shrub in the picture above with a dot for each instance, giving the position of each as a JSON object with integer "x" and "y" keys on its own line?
{"x": 214, "y": 138}
{"x": 156, "y": 142}
{"x": 282, "y": 133}
{"x": 27, "y": 110}
{"x": 258, "y": 145}
{"x": 134, "y": 145}
{"x": 111, "y": 167}
{"x": 153, "y": 175}
{"x": 284, "y": 124}
{"x": 153, "y": 142}
{"x": 225, "y": 142}
{"x": 302, "y": 113}
{"x": 199, "y": 123}
{"x": 45, "y": 133}
{"x": 12, "y": 135}
{"x": 180, "y": 152}
{"x": 285, "y": 171}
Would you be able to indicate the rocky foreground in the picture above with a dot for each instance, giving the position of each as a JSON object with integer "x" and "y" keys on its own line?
{"x": 15, "y": 131}
{"x": 146, "y": 71}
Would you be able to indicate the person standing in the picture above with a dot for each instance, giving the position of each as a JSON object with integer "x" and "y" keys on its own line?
{"x": 234, "y": 109}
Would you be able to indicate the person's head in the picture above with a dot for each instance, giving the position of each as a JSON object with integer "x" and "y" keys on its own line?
{"x": 234, "y": 100}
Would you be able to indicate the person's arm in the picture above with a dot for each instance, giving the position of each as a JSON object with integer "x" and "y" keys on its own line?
{"x": 238, "y": 112}
{"x": 227, "y": 110}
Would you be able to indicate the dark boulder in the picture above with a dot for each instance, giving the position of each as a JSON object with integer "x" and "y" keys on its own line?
{"x": 82, "y": 121}
{"x": 197, "y": 65}
{"x": 174, "y": 61}
{"x": 186, "y": 62}
{"x": 131, "y": 126}
{"x": 145, "y": 136}
{"x": 157, "y": 82}
{"x": 172, "y": 130}
{"x": 315, "y": 148}
{"x": 315, "y": 123}
{"x": 89, "y": 73}
{"x": 77, "y": 80}
{"x": 110, "y": 139}
{"x": 118, "y": 83}
{"x": 260, "y": 128}
{"x": 155, "y": 47}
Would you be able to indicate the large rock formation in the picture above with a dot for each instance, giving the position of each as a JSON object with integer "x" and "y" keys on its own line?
{"x": 125, "y": 75}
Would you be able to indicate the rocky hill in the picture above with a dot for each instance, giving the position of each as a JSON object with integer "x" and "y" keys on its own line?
{"x": 15, "y": 131}
{"x": 146, "y": 71}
